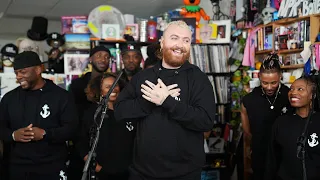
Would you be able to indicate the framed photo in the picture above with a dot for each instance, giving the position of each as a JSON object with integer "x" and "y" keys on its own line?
{"x": 132, "y": 30}
{"x": 208, "y": 32}
{"x": 223, "y": 31}
{"x": 111, "y": 31}
{"x": 75, "y": 64}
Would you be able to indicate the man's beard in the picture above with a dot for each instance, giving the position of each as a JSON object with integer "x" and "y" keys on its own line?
{"x": 175, "y": 61}
{"x": 132, "y": 73}
{"x": 97, "y": 69}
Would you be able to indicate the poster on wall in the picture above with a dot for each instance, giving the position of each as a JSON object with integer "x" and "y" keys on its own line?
{"x": 75, "y": 63}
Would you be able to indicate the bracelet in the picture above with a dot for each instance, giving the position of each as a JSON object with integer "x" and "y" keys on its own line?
{"x": 13, "y": 136}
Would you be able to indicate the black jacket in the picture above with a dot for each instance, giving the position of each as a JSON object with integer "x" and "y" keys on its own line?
{"x": 169, "y": 138}
{"x": 77, "y": 88}
{"x": 262, "y": 118}
{"x": 50, "y": 108}
{"x": 282, "y": 161}
{"x": 115, "y": 146}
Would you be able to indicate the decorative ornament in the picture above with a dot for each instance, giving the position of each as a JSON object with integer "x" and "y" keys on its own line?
{"x": 267, "y": 13}
{"x": 193, "y": 10}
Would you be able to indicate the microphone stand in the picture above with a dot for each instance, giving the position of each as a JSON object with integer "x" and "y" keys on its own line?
{"x": 103, "y": 105}
{"x": 301, "y": 142}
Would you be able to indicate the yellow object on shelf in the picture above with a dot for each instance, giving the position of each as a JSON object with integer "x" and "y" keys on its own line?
{"x": 292, "y": 79}
{"x": 258, "y": 65}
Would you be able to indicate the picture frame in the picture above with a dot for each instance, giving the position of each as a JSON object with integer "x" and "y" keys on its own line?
{"x": 75, "y": 64}
{"x": 223, "y": 32}
{"x": 132, "y": 30}
{"x": 110, "y": 31}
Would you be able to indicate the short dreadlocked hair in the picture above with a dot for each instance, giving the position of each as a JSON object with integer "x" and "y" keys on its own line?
{"x": 271, "y": 64}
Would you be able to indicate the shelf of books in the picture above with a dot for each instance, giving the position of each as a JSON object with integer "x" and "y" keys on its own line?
{"x": 287, "y": 37}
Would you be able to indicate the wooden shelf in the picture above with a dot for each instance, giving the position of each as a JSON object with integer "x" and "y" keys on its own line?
{"x": 108, "y": 40}
{"x": 286, "y": 21}
{"x": 291, "y": 51}
{"x": 295, "y": 66}
{"x": 264, "y": 52}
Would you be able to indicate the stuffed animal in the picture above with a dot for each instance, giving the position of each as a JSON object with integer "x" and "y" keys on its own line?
{"x": 36, "y": 37}
{"x": 193, "y": 10}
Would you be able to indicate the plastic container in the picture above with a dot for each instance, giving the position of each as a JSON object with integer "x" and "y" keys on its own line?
{"x": 152, "y": 30}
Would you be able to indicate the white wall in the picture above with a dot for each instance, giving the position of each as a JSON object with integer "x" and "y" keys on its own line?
{"x": 207, "y": 7}
{"x": 224, "y": 7}
{"x": 6, "y": 41}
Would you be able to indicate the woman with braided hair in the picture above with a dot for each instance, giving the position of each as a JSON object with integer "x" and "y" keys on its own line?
{"x": 115, "y": 146}
{"x": 284, "y": 159}
{"x": 261, "y": 107}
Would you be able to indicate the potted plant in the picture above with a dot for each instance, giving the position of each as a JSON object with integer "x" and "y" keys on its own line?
{"x": 236, "y": 76}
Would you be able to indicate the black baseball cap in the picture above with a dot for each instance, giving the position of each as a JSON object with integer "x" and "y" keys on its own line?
{"x": 26, "y": 59}
{"x": 99, "y": 48}
{"x": 9, "y": 50}
{"x": 130, "y": 47}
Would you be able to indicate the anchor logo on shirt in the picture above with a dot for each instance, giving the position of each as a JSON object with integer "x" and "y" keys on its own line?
{"x": 62, "y": 175}
{"x": 314, "y": 141}
{"x": 284, "y": 110}
{"x": 129, "y": 126}
{"x": 45, "y": 113}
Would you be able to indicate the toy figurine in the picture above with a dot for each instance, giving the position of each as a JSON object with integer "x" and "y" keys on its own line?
{"x": 8, "y": 52}
{"x": 193, "y": 10}
{"x": 55, "y": 56}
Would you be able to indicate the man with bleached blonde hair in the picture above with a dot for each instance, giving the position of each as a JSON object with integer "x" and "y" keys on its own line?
{"x": 173, "y": 104}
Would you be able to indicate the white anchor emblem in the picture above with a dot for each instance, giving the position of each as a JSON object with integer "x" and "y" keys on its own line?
{"x": 314, "y": 141}
{"x": 129, "y": 126}
{"x": 62, "y": 175}
{"x": 45, "y": 113}
{"x": 284, "y": 110}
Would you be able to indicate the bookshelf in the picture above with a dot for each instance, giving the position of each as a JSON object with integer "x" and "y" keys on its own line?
{"x": 213, "y": 60}
{"x": 300, "y": 28}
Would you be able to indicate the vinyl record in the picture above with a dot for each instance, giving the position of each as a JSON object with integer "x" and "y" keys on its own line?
{"x": 105, "y": 14}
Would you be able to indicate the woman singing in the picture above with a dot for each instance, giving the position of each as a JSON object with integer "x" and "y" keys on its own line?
{"x": 114, "y": 149}
{"x": 284, "y": 161}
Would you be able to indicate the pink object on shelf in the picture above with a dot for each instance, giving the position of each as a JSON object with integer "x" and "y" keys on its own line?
{"x": 249, "y": 51}
{"x": 317, "y": 55}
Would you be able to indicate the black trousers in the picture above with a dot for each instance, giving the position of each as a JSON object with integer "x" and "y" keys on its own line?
{"x": 75, "y": 167}
{"x": 117, "y": 176}
{"x": 196, "y": 175}
{"x": 35, "y": 176}
{"x": 258, "y": 165}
